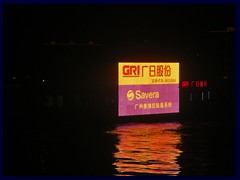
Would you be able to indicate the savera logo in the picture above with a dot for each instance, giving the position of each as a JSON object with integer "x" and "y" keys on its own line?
{"x": 141, "y": 95}
{"x": 130, "y": 95}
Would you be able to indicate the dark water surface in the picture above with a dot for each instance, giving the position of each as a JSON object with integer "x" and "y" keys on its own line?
{"x": 72, "y": 141}
{"x": 156, "y": 148}
{"x": 174, "y": 148}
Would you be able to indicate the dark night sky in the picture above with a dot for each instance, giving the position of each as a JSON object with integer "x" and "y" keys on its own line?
{"x": 124, "y": 32}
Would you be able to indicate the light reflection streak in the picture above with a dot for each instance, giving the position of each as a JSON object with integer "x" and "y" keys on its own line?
{"x": 147, "y": 149}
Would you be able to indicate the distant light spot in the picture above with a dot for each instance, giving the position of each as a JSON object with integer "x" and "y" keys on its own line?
{"x": 52, "y": 43}
{"x": 43, "y": 80}
{"x": 14, "y": 77}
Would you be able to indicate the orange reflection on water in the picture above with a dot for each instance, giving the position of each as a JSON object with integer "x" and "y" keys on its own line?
{"x": 147, "y": 149}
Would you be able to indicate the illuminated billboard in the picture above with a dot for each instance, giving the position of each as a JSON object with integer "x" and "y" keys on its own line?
{"x": 148, "y": 88}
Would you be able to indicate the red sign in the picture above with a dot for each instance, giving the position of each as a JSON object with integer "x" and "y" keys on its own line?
{"x": 195, "y": 84}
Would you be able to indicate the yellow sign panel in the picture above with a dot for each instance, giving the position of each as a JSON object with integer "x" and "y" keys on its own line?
{"x": 148, "y": 73}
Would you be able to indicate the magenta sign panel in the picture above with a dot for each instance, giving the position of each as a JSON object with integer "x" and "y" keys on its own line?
{"x": 148, "y": 88}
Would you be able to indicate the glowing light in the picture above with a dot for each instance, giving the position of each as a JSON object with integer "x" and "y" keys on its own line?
{"x": 135, "y": 73}
{"x": 185, "y": 84}
{"x": 147, "y": 149}
{"x": 43, "y": 80}
{"x": 14, "y": 78}
{"x": 148, "y": 88}
{"x": 195, "y": 84}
